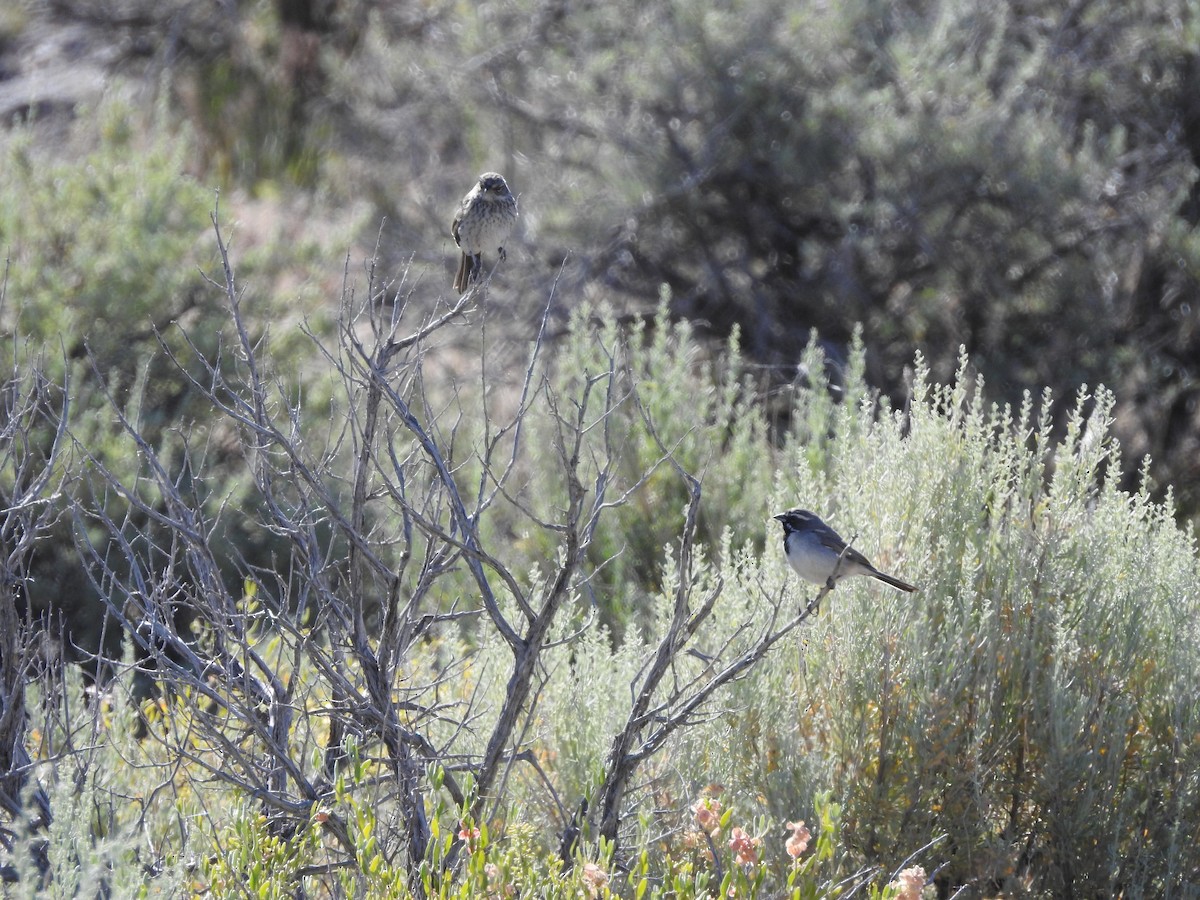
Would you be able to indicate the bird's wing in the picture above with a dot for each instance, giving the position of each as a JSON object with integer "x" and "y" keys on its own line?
{"x": 831, "y": 540}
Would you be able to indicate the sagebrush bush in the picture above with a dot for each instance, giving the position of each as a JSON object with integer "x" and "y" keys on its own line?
{"x": 1026, "y": 704}
{"x": 1019, "y": 703}
{"x": 1023, "y": 723}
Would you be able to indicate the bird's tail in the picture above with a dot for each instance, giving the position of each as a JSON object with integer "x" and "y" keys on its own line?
{"x": 460, "y": 280}
{"x": 894, "y": 582}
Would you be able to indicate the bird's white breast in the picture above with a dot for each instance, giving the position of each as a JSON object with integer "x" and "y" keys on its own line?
{"x": 808, "y": 558}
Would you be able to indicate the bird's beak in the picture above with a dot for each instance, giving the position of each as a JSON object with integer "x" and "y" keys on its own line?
{"x": 780, "y": 517}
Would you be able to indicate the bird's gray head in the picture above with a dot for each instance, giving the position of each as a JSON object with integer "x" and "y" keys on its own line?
{"x": 493, "y": 183}
{"x": 796, "y": 520}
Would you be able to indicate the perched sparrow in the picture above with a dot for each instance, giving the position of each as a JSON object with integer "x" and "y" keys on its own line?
{"x": 483, "y": 222}
{"x": 814, "y": 551}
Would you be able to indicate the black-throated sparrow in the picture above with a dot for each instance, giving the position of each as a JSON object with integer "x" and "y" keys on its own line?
{"x": 484, "y": 220}
{"x": 815, "y": 551}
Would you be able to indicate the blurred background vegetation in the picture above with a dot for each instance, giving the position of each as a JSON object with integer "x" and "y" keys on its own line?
{"x": 1017, "y": 179}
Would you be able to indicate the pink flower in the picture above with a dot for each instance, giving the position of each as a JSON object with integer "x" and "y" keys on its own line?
{"x": 909, "y": 883}
{"x": 744, "y": 847}
{"x": 468, "y": 833}
{"x": 798, "y": 842}
{"x": 497, "y": 884}
{"x": 707, "y": 811}
{"x": 595, "y": 879}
